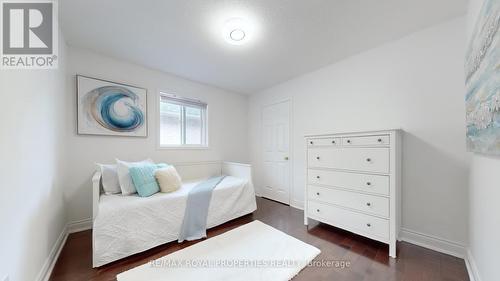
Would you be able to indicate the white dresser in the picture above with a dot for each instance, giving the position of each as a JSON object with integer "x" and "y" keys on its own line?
{"x": 353, "y": 181}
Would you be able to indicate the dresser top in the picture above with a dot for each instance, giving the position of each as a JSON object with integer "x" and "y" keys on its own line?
{"x": 355, "y": 133}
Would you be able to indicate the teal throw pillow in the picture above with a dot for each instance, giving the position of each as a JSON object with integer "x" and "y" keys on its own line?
{"x": 143, "y": 177}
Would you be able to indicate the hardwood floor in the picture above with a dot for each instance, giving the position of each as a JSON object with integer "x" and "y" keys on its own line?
{"x": 368, "y": 259}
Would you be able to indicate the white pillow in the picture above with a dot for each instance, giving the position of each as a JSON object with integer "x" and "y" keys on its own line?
{"x": 126, "y": 184}
{"x": 168, "y": 179}
{"x": 109, "y": 176}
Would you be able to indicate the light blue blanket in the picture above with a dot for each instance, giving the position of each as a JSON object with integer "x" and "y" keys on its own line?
{"x": 194, "y": 225}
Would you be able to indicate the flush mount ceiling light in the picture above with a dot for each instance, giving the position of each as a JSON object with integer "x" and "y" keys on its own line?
{"x": 236, "y": 31}
{"x": 237, "y": 35}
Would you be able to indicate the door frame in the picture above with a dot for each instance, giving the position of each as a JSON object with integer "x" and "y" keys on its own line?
{"x": 291, "y": 159}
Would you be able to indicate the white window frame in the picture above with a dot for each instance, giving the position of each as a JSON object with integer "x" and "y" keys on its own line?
{"x": 183, "y": 101}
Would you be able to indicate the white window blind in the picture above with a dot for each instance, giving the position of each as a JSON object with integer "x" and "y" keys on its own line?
{"x": 183, "y": 122}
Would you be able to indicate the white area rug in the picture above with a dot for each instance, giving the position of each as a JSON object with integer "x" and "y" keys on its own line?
{"x": 254, "y": 251}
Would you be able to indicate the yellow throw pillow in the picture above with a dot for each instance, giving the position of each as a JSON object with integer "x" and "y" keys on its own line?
{"x": 168, "y": 179}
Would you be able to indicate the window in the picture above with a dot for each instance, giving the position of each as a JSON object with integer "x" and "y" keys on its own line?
{"x": 183, "y": 122}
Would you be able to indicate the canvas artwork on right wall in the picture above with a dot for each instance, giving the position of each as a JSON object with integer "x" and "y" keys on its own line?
{"x": 482, "y": 70}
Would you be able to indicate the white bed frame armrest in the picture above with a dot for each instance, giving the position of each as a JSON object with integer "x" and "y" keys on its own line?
{"x": 238, "y": 170}
{"x": 96, "y": 192}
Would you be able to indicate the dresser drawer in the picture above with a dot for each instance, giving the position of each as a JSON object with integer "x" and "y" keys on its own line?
{"x": 324, "y": 142}
{"x": 366, "y": 140}
{"x": 359, "y": 182}
{"x": 357, "y": 159}
{"x": 353, "y": 221}
{"x": 367, "y": 203}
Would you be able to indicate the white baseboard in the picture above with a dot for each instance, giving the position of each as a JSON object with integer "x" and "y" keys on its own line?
{"x": 444, "y": 246}
{"x": 81, "y": 225}
{"x": 297, "y": 204}
{"x": 434, "y": 243}
{"x": 470, "y": 262}
{"x": 51, "y": 260}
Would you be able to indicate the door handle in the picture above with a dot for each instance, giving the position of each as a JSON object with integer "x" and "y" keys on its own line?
{"x": 286, "y": 157}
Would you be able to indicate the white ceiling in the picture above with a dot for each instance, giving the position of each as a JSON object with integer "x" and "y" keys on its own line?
{"x": 292, "y": 37}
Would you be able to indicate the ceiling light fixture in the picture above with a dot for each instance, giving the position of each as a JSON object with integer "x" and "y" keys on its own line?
{"x": 237, "y": 35}
{"x": 236, "y": 31}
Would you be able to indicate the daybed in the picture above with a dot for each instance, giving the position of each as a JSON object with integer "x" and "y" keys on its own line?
{"x": 126, "y": 225}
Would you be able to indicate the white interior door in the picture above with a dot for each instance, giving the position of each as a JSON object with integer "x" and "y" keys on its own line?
{"x": 276, "y": 144}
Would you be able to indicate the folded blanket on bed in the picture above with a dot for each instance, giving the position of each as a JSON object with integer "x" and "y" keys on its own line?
{"x": 194, "y": 225}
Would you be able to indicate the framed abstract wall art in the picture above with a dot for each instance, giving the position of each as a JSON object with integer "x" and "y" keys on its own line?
{"x": 482, "y": 71}
{"x": 108, "y": 108}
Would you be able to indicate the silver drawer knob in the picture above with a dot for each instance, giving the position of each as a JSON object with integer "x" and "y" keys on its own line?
{"x": 333, "y": 141}
{"x": 368, "y": 224}
{"x": 348, "y": 141}
{"x": 317, "y": 157}
{"x": 317, "y": 193}
{"x": 368, "y": 183}
{"x": 317, "y": 210}
{"x": 311, "y": 142}
{"x": 379, "y": 140}
{"x": 368, "y": 160}
{"x": 317, "y": 177}
{"x": 368, "y": 204}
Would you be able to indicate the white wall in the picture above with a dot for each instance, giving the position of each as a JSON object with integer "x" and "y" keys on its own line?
{"x": 32, "y": 207}
{"x": 227, "y": 117}
{"x": 484, "y": 232}
{"x": 484, "y": 192}
{"x": 415, "y": 83}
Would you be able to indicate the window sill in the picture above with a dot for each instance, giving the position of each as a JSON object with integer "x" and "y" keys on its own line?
{"x": 183, "y": 147}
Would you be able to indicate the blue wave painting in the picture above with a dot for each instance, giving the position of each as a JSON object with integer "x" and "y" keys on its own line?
{"x": 482, "y": 71}
{"x": 107, "y": 108}
{"x": 113, "y": 107}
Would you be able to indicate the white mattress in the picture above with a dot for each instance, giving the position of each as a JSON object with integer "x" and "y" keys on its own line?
{"x": 127, "y": 225}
